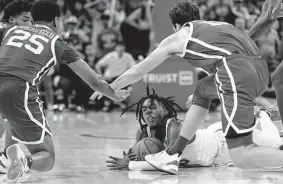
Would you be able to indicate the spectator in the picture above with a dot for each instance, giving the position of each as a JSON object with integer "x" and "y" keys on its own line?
{"x": 112, "y": 65}
{"x": 240, "y": 23}
{"x": 268, "y": 46}
{"x": 223, "y": 12}
{"x": 74, "y": 35}
{"x": 95, "y": 9}
{"x": 137, "y": 28}
{"x": 90, "y": 56}
{"x": 240, "y": 10}
{"x": 119, "y": 15}
{"x": 107, "y": 39}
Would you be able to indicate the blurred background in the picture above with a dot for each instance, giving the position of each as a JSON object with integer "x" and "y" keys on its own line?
{"x": 114, "y": 35}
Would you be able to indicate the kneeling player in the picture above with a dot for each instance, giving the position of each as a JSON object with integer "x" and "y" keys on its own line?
{"x": 208, "y": 146}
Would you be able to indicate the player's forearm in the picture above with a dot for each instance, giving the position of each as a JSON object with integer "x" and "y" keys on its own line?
{"x": 262, "y": 26}
{"x": 95, "y": 81}
{"x": 129, "y": 77}
{"x": 140, "y": 166}
{"x": 271, "y": 10}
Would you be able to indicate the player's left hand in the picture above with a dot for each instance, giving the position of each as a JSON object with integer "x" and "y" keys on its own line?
{"x": 120, "y": 164}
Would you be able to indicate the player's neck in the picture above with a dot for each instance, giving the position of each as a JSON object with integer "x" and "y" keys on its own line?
{"x": 46, "y": 24}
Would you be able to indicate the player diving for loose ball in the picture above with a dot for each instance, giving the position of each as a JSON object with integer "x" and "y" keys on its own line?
{"x": 238, "y": 77}
{"x": 27, "y": 53}
{"x": 158, "y": 119}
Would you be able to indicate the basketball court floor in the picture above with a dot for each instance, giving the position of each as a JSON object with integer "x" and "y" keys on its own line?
{"x": 84, "y": 141}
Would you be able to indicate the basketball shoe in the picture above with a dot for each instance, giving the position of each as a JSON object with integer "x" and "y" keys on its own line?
{"x": 18, "y": 170}
{"x": 273, "y": 112}
{"x": 4, "y": 162}
{"x": 164, "y": 162}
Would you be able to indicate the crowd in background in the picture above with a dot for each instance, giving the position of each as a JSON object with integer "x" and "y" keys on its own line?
{"x": 114, "y": 35}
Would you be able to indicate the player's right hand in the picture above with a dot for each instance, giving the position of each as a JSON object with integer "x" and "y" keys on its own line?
{"x": 119, "y": 164}
{"x": 121, "y": 95}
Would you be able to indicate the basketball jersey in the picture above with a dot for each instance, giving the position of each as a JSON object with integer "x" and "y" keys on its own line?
{"x": 29, "y": 52}
{"x": 203, "y": 150}
{"x": 209, "y": 42}
{"x": 3, "y": 25}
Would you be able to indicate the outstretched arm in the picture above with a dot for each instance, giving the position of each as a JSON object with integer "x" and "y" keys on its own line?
{"x": 166, "y": 48}
{"x": 271, "y": 10}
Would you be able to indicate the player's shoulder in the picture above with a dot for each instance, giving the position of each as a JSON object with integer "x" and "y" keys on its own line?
{"x": 174, "y": 123}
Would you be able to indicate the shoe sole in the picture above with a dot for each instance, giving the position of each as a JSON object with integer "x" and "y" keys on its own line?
{"x": 15, "y": 170}
{"x": 160, "y": 169}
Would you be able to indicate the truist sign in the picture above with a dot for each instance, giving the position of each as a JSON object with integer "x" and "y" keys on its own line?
{"x": 174, "y": 77}
{"x": 183, "y": 78}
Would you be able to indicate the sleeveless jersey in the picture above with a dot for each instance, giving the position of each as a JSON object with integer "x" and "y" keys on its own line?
{"x": 3, "y": 25}
{"x": 29, "y": 52}
{"x": 209, "y": 42}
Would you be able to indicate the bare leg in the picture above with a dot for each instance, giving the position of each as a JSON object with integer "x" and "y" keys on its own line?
{"x": 249, "y": 156}
{"x": 8, "y": 137}
{"x": 48, "y": 88}
{"x": 277, "y": 80}
{"x": 43, "y": 155}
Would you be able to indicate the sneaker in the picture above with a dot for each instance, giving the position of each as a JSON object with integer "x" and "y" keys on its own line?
{"x": 164, "y": 162}
{"x": 4, "y": 162}
{"x": 273, "y": 112}
{"x": 18, "y": 171}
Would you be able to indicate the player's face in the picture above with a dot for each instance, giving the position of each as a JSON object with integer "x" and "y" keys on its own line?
{"x": 23, "y": 19}
{"x": 153, "y": 112}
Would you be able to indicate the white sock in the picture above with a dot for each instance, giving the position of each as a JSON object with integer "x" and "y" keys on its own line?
{"x": 266, "y": 134}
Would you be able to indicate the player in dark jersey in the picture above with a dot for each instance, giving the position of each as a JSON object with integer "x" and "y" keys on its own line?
{"x": 27, "y": 54}
{"x": 238, "y": 75}
{"x": 15, "y": 13}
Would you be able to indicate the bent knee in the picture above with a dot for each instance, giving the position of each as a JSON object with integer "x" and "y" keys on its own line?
{"x": 51, "y": 162}
{"x": 277, "y": 79}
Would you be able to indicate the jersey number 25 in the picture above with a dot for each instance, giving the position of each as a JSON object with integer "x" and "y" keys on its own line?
{"x": 38, "y": 47}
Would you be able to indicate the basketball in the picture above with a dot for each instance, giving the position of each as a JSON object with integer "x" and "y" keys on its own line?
{"x": 147, "y": 146}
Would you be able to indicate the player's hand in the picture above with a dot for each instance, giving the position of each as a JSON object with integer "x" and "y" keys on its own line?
{"x": 121, "y": 95}
{"x": 119, "y": 164}
{"x": 189, "y": 101}
{"x": 96, "y": 95}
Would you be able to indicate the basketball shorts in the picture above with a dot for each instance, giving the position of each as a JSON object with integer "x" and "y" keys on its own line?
{"x": 20, "y": 104}
{"x": 239, "y": 80}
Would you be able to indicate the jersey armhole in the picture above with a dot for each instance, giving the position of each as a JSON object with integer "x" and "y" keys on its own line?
{"x": 53, "y": 48}
{"x": 187, "y": 40}
{"x": 6, "y": 32}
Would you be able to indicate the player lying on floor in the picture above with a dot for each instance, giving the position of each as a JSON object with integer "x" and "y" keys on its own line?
{"x": 208, "y": 146}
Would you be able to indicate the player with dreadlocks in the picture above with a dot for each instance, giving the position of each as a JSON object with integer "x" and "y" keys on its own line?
{"x": 158, "y": 118}
{"x": 153, "y": 113}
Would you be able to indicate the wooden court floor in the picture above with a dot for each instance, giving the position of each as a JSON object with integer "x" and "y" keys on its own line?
{"x": 84, "y": 141}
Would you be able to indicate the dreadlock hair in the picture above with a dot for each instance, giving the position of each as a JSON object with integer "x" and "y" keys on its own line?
{"x": 166, "y": 102}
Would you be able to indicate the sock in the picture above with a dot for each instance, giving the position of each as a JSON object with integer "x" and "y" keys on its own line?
{"x": 266, "y": 134}
{"x": 178, "y": 146}
{"x": 29, "y": 160}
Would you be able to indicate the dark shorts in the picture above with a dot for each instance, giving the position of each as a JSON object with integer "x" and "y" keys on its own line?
{"x": 20, "y": 104}
{"x": 237, "y": 82}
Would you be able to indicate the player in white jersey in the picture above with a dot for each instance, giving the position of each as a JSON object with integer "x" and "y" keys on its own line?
{"x": 208, "y": 147}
